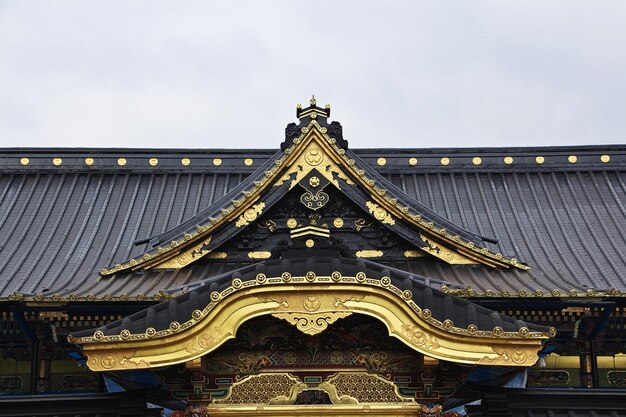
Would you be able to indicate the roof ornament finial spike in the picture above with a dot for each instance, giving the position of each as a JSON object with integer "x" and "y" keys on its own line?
{"x": 313, "y": 101}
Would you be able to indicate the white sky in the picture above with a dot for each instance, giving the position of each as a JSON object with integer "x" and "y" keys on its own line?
{"x": 228, "y": 74}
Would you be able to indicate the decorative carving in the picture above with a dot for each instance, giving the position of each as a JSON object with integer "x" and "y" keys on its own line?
{"x": 450, "y": 256}
{"x": 312, "y": 323}
{"x": 259, "y": 255}
{"x": 435, "y": 410}
{"x": 262, "y": 389}
{"x": 314, "y": 201}
{"x": 292, "y": 131}
{"x": 369, "y": 253}
{"x": 360, "y": 224}
{"x": 290, "y": 299}
{"x": 11, "y": 384}
{"x": 314, "y": 181}
{"x": 269, "y": 225}
{"x": 366, "y": 388}
{"x": 313, "y": 158}
{"x": 186, "y": 257}
{"x": 413, "y": 254}
{"x": 311, "y": 314}
{"x": 336, "y": 131}
{"x": 250, "y": 214}
{"x": 380, "y": 213}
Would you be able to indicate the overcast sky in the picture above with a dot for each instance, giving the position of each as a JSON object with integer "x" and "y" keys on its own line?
{"x": 229, "y": 74}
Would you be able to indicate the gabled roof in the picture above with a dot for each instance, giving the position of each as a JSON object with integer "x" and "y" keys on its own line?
{"x": 313, "y": 156}
{"x": 66, "y": 213}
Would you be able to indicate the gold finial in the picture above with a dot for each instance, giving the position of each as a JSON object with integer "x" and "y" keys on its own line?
{"x": 313, "y": 101}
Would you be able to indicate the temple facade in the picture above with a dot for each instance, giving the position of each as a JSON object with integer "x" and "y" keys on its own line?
{"x": 313, "y": 279}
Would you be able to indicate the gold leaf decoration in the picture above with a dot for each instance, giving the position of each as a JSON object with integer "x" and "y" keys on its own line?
{"x": 250, "y": 214}
{"x": 380, "y": 213}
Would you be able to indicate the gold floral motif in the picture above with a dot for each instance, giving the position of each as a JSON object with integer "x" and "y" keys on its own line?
{"x": 314, "y": 182}
{"x": 380, "y": 213}
{"x": 250, "y": 214}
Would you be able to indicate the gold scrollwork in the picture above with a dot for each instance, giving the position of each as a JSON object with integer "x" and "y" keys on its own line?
{"x": 317, "y": 311}
{"x": 380, "y": 213}
{"x": 186, "y": 257}
{"x": 250, "y": 214}
{"x": 450, "y": 256}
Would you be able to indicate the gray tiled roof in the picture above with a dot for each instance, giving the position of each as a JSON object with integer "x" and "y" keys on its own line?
{"x": 60, "y": 224}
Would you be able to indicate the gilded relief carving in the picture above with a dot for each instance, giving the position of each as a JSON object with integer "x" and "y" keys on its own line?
{"x": 250, "y": 214}
{"x": 311, "y": 307}
{"x": 450, "y": 256}
{"x": 186, "y": 257}
{"x": 313, "y": 158}
{"x": 262, "y": 389}
{"x": 380, "y": 213}
{"x": 311, "y": 314}
{"x": 366, "y": 388}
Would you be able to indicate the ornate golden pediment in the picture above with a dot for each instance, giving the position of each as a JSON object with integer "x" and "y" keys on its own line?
{"x": 314, "y": 160}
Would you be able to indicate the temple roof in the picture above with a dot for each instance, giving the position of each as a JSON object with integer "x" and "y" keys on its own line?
{"x": 66, "y": 215}
{"x": 197, "y": 296}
